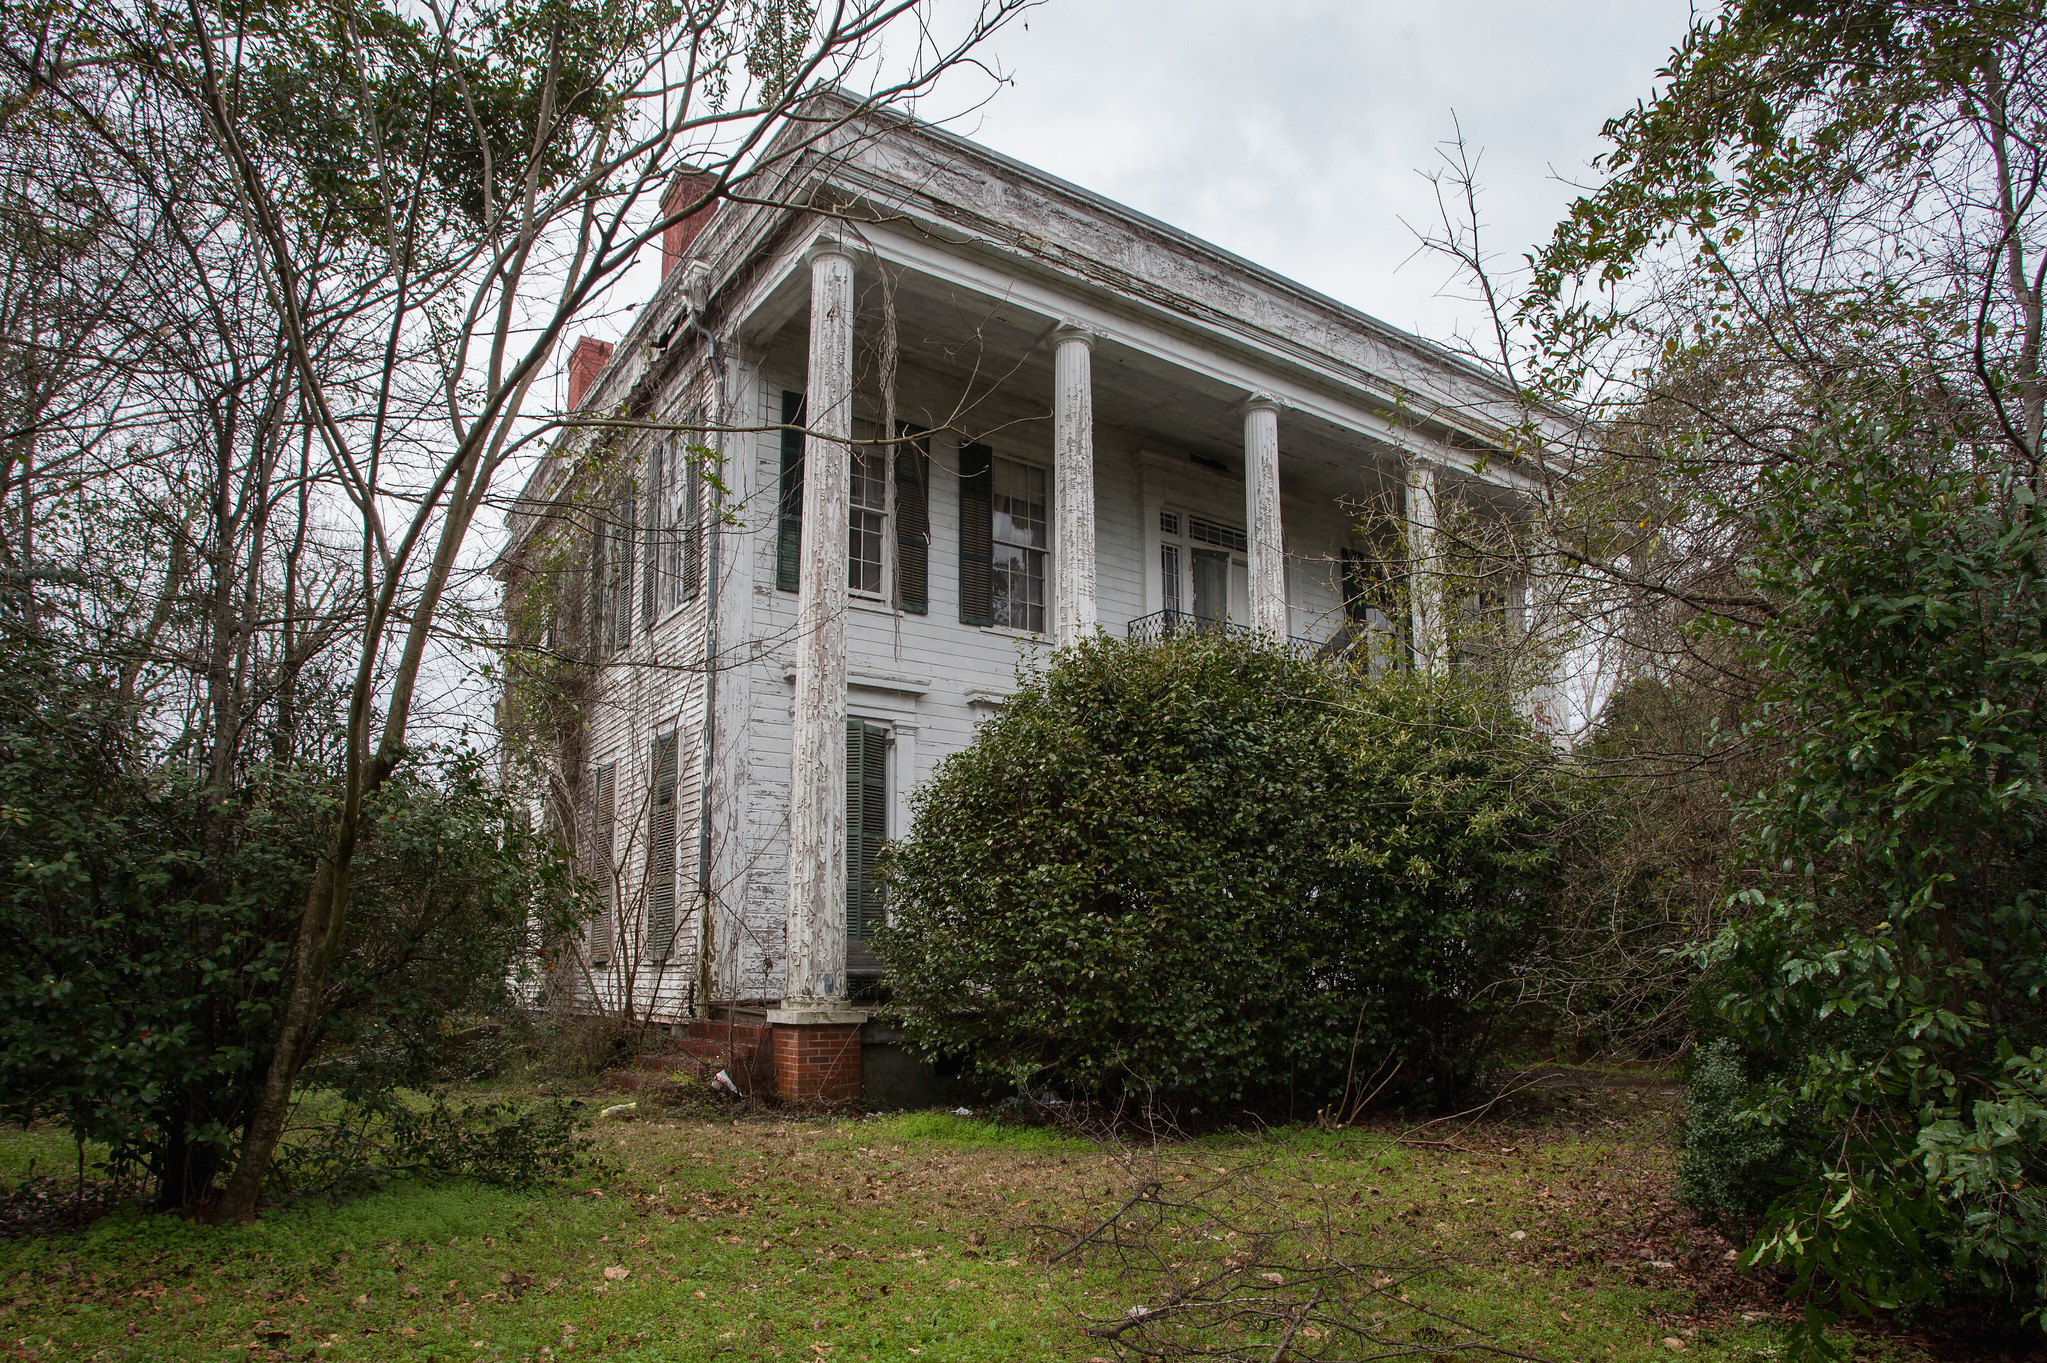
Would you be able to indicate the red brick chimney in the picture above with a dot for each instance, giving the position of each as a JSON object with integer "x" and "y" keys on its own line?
{"x": 586, "y": 362}
{"x": 686, "y": 188}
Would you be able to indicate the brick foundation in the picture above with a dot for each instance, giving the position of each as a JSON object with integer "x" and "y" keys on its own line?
{"x": 817, "y": 1062}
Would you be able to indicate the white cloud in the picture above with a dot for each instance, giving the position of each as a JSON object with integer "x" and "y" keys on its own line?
{"x": 1291, "y": 131}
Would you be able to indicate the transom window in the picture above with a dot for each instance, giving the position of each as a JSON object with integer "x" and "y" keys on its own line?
{"x": 1020, "y": 538}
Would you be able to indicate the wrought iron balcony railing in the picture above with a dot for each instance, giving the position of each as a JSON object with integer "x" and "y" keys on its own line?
{"x": 1160, "y": 626}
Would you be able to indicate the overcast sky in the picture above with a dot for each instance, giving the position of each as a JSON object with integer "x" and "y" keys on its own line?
{"x": 1292, "y": 131}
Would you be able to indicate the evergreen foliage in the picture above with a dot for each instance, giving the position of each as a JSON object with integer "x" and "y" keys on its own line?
{"x": 1214, "y": 868}
{"x": 1887, "y": 985}
{"x": 145, "y": 924}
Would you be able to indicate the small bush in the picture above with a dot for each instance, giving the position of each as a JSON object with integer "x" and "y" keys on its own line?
{"x": 510, "y": 1144}
{"x": 1213, "y": 868}
{"x": 1732, "y": 1167}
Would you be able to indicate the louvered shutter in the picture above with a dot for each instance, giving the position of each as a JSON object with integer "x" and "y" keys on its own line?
{"x": 866, "y": 824}
{"x": 604, "y": 803}
{"x": 655, "y": 519}
{"x": 977, "y": 535}
{"x": 693, "y": 531}
{"x": 661, "y": 850}
{"x": 599, "y": 539}
{"x": 913, "y": 521}
{"x": 789, "y": 524}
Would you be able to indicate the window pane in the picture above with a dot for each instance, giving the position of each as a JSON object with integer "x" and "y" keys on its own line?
{"x": 870, "y": 485}
{"x": 1019, "y": 505}
{"x": 1019, "y": 582}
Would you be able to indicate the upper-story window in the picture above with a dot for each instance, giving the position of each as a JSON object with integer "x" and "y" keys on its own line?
{"x": 1020, "y": 538}
{"x": 1203, "y": 569}
{"x": 611, "y": 574}
{"x": 1003, "y": 537}
{"x": 873, "y": 525}
{"x": 675, "y": 530}
{"x": 867, "y": 520}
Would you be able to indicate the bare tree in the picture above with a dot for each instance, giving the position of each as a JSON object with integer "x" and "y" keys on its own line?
{"x": 395, "y": 216}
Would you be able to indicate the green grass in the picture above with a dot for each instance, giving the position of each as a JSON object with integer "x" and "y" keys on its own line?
{"x": 902, "y": 1238}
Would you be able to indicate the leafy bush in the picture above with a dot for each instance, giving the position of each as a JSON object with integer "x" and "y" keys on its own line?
{"x": 145, "y": 920}
{"x": 511, "y": 1144}
{"x": 1731, "y": 1167}
{"x": 1211, "y": 867}
{"x": 1892, "y": 986}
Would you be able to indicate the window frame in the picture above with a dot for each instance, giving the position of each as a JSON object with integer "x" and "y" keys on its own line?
{"x": 1046, "y": 604}
{"x": 1186, "y": 544}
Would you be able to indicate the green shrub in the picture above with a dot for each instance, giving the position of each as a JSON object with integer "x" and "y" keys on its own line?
{"x": 1213, "y": 868}
{"x": 1731, "y": 1167}
{"x": 145, "y": 919}
{"x": 1892, "y": 983}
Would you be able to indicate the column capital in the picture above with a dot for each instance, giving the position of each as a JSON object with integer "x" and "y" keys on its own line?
{"x": 1260, "y": 402}
{"x": 1073, "y": 331}
{"x": 827, "y": 243}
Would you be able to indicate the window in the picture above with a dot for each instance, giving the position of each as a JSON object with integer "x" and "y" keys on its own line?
{"x": 674, "y": 519}
{"x": 866, "y": 519}
{"x": 661, "y": 799}
{"x": 611, "y": 573}
{"x": 597, "y": 858}
{"x": 866, "y": 830}
{"x": 1019, "y": 536}
{"x": 1202, "y": 568}
{"x": 867, "y": 514}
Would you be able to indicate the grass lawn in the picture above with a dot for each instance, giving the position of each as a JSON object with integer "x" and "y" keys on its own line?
{"x": 921, "y": 1236}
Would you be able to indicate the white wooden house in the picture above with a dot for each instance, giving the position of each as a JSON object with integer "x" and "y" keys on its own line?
{"x": 1101, "y": 423}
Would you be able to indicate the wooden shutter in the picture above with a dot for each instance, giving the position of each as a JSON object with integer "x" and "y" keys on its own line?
{"x": 913, "y": 522}
{"x": 656, "y": 521}
{"x": 604, "y": 810}
{"x": 866, "y": 824}
{"x": 599, "y": 538}
{"x": 618, "y": 604}
{"x": 789, "y": 524}
{"x": 661, "y": 850}
{"x": 692, "y": 531}
{"x": 977, "y": 535}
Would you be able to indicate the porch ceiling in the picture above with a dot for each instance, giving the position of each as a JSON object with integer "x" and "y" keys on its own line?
{"x": 1000, "y": 355}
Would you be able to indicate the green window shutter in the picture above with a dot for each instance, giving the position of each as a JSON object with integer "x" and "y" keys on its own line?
{"x": 692, "y": 530}
{"x": 977, "y": 535}
{"x": 604, "y": 802}
{"x": 913, "y": 521}
{"x": 598, "y": 540}
{"x": 866, "y": 824}
{"x": 651, "y": 517}
{"x": 789, "y": 524}
{"x": 661, "y": 850}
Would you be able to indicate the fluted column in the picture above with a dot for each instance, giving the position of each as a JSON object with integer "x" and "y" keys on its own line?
{"x": 1261, "y": 516}
{"x": 1073, "y": 491}
{"x": 816, "y": 964}
{"x": 1424, "y": 573}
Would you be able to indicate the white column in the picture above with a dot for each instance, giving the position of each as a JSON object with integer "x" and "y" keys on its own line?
{"x": 1424, "y": 580}
{"x": 816, "y": 948}
{"x": 1073, "y": 492}
{"x": 1261, "y": 516}
{"x": 741, "y": 405}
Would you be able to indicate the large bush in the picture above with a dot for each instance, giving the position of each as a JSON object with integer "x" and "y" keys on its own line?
{"x": 1213, "y": 868}
{"x": 1889, "y": 990}
{"x": 145, "y": 921}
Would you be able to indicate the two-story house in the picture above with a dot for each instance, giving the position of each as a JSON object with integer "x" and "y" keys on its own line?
{"x": 961, "y": 411}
